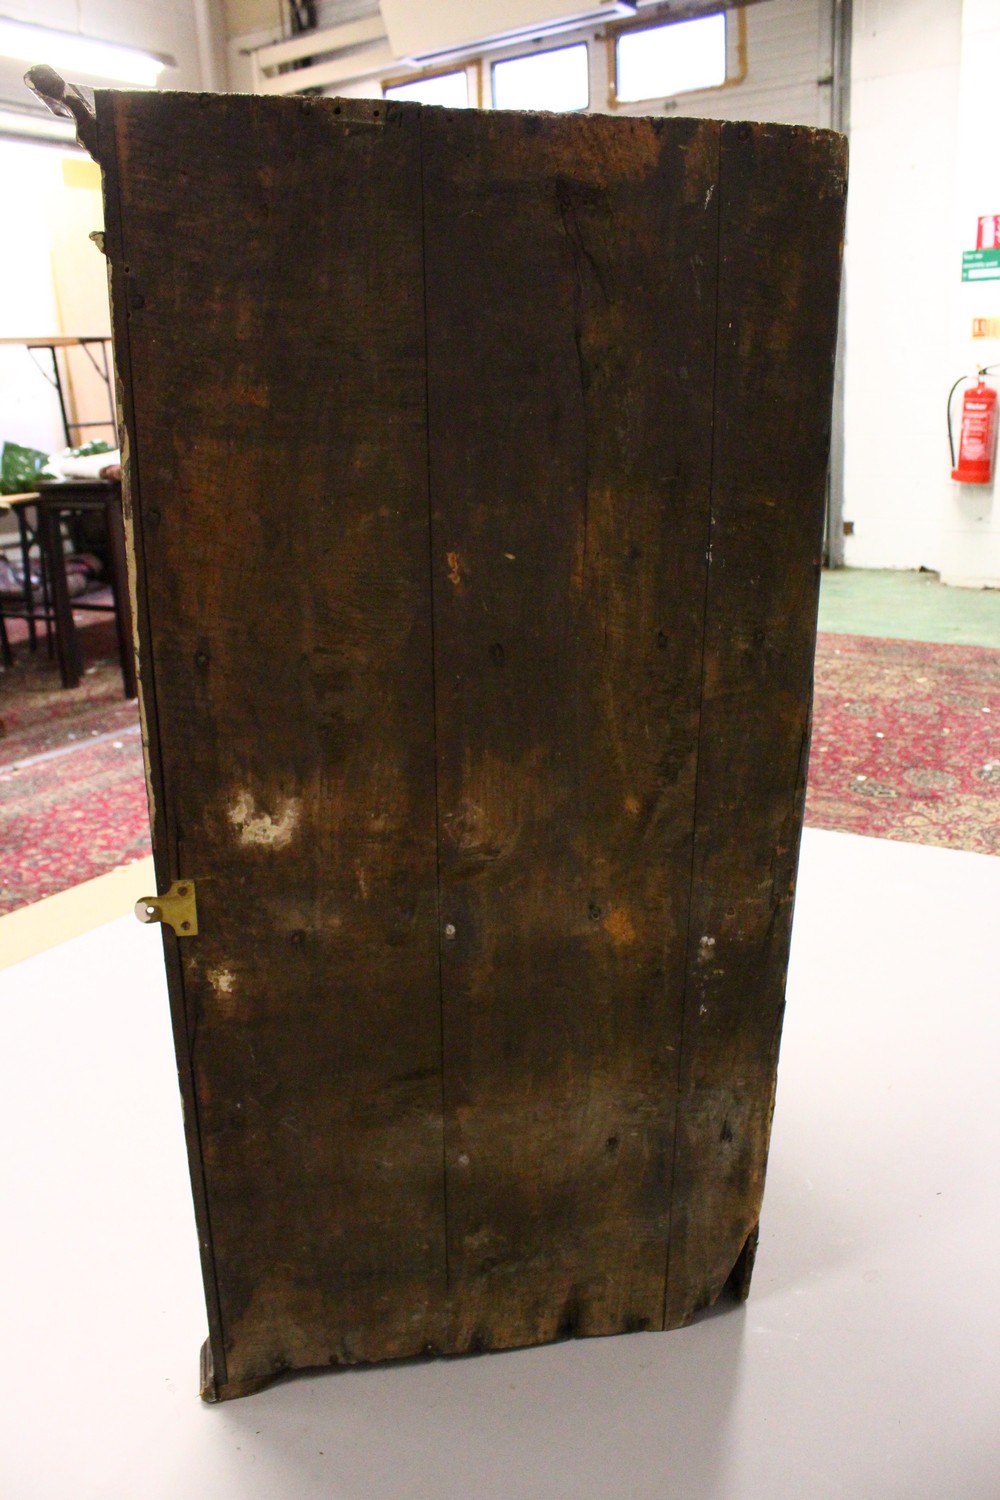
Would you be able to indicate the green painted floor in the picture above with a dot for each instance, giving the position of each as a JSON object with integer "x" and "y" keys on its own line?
{"x": 907, "y": 607}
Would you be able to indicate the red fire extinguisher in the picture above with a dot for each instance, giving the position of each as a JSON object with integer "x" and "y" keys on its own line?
{"x": 978, "y": 436}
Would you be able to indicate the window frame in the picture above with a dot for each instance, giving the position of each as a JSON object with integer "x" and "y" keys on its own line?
{"x": 658, "y": 23}
{"x": 472, "y": 68}
{"x": 536, "y": 51}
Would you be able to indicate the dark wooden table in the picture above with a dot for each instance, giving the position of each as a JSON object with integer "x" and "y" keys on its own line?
{"x": 79, "y": 496}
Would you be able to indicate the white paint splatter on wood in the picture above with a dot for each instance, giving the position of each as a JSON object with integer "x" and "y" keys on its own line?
{"x": 267, "y": 830}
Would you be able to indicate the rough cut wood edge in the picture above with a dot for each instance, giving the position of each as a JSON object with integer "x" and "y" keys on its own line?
{"x": 781, "y": 233}
{"x": 164, "y": 856}
{"x": 213, "y": 1391}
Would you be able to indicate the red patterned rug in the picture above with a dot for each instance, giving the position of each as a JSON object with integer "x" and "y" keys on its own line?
{"x": 906, "y": 745}
{"x": 906, "y": 742}
{"x": 72, "y": 789}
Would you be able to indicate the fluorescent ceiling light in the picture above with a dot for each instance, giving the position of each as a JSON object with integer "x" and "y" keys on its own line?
{"x": 78, "y": 54}
{"x": 32, "y": 125}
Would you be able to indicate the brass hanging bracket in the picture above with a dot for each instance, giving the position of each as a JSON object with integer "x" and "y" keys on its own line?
{"x": 177, "y": 908}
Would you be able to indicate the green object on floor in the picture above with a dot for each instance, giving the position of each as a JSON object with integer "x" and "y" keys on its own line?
{"x": 906, "y": 606}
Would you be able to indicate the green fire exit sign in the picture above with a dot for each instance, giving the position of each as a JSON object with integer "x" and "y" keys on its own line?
{"x": 981, "y": 265}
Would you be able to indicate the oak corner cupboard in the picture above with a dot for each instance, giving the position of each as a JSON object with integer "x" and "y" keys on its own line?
{"x": 475, "y": 475}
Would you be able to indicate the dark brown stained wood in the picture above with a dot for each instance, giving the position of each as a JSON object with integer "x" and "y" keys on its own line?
{"x": 474, "y": 476}
{"x": 275, "y": 344}
{"x": 570, "y": 368}
{"x": 782, "y": 193}
{"x": 102, "y": 130}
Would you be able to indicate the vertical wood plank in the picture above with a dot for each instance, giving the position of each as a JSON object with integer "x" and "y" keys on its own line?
{"x": 571, "y": 326}
{"x": 271, "y": 267}
{"x": 782, "y": 208}
{"x": 213, "y": 1352}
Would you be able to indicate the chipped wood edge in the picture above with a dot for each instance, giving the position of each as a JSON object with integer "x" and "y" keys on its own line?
{"x": 108, "y": 105}
{"x": 69, "y": 101}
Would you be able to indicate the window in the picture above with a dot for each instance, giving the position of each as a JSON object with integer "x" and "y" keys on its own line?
{"x": 449, "y": 89}
{"x": 557, "y": 80}
{"x": 656, "y": 62}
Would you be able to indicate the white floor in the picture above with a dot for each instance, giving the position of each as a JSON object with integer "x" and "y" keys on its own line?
{"x": 864, "y": 1366}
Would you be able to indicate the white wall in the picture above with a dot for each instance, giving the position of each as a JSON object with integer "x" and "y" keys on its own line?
{"x": 32, "y": 175}
{"x": 29, "y": 412}
{"x": 970, "y": 550}
{"x": 902, "y": 269}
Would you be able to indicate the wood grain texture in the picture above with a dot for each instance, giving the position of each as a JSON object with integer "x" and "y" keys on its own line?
{"x": 277, "y": 358}
{"x": 570, "y": 392}
{"x": 782, "y": 193}
{"x": 475, "y": 481}
{"x": 213, "y": 1352}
